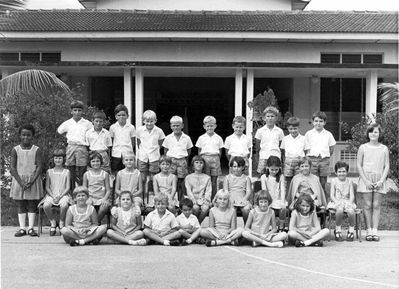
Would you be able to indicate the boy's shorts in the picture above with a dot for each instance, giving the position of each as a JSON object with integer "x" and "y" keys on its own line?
{"x": 179, "y": 167}
{"x": 212, "y": 165}
{"x": 116, "y": 164}
{"x": 291, "y": 166}
{"x": 76, "y": 155}
{"x": 320, "y": 166}
{"x": 152, "y": 167}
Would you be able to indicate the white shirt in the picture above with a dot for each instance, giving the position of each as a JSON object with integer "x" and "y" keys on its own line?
{"x": 75, "y": 130}
{"x": 192, "y": 220}
{"x": 98, "y": 141}
{"x": 238, "y": 146}
{"x": 163, "y": 224}
{"x": 269, "y": 141}
{"x": 122, "y": 136}
{"x": 149, "y": 143}
{"x": 177, "y": 148}
{"x": 319, "y": 143}
{"x": 294, "y": 147}
{"x": 209, "y": 145}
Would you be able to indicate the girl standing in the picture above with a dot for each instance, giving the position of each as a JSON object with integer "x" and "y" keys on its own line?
{"x": 222, "y": 222}
{"x": 125, "y": 222}
{"x": 26, "y": 186}
{"x": 305, "y": 228}
{"x": 373, "y": 166}
{"x": 166, "y": 183}
{"x": 274, "y": 183}
{"x": 261, "y": 218}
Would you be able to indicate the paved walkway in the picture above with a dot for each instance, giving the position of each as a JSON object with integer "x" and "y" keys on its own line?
{"x": 47, "y": 262}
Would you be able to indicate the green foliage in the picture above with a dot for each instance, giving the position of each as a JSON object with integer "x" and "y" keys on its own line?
{"x": 258, "y": 105}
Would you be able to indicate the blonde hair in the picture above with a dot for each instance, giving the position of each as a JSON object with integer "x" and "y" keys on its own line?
{"x": 220, "y": 193}
{"x": 161, "y": 198}
{"x": 239, "y": 119}
{"x": 80, "y": 189}
{"x": 209, "y": 119}
{"x": 128, "y": 154}
{"x": 149, "y": 114}
{"x": 271, "y": 109}
{"x": 176, "y": 118}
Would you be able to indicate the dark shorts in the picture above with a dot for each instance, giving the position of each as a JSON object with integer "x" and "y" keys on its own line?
{"x": 212, "y": 167}
{"x": 152, "y": 167}
{"x": 179, "y": 167}
{"x": 320, "y": 166}
{"x": 291, "y": 166}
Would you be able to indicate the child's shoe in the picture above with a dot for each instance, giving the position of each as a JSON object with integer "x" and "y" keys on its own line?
{"x": 53, "y": 231}
{"x": 184, "y": 243}
{"x": 318, "y": 243}
{"x": 350, "y": 236}
{"x": 20, "y": 233}
{"x": 338, "y": 236}
{"x": 254, "y": 244}
{"x": 74, "y": 243}
{"x": 174, "y": 243}
{"x": 299, "y": 243}
{"x": 32, "y": 233}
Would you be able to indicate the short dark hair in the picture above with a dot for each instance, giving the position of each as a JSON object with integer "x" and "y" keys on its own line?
{"x": 186, "y": 202}
{"x": 99, "y": 114}
{"x": 341, "y": 164}
{"x": 304, "y": 197}
{"x": 305, "y": 160}
{"x": 239, "y": 160}
{"x": 121, "y": 107}
{"x": 77, "y": 104}
{"x": 94, "y": 155}
{"x": 263, "y": 195}
{"x": 320, "y": 114}
{"x": 29, "y": 127}
{"x": 59, "y": 152}
{"x": 198, "y": 159}
{"x": 273, "y": 161}
{"x": 371, "y": 127}
{"x": 293, "y": 121}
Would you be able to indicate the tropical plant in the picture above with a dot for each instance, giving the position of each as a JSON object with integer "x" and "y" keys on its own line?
{"x": 11, "y": 4}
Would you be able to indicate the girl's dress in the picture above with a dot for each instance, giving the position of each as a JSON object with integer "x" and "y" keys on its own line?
{"x": 342, "y": 194}
{"x": 313, "y": 182}
{"x": 261, "y": 223}
{"x": 304, "y": 223}
{"x": 201, "y": 188}
{"x": 237, "y": 187}
{"x": 165, "y": 187}
{"x": 26, "y": 168}
{"x": 126, "y": 220}
{"x": 129, "y": 181}
{"x": 275, "y": 189}
{"x": 96, "y": 186}
{"x": 58, "y": 182}
{"x": 373, "y": 166}
{"x": 82, "y": 221}
{"x": 222, "y": 221}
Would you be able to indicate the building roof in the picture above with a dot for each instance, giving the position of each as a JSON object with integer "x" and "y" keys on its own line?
{"x": 219, "y": 21}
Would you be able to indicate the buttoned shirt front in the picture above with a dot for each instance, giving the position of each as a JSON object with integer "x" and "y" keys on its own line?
{"x": 183, "y": 221}
{"x": 209, "y": 145}
{"x": 149, "y": 143}
{"x": 177, "y": 148}
{"x": 75, "y": 130}
{"x": 319, "y": 143}
{"x": 163, "y": 224}
{"x": 238, "y": 146}
{"x": 294, "y": 147}
{"x": 98, "y": 141}
{"x": 269, "y": 141}
{"x": 122, "y": 138}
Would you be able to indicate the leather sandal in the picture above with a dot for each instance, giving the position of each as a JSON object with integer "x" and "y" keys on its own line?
{"x": 338, "y": 236}
{"x": 20, "y": 233}
{"x": 350, "y": 236}
{"x": 53, "y": 231}
{"x": 299, "y": 243}
{"x": 369, "y": 238}
{"x": 32, "y": 233}
{"x": 376, "y": 238}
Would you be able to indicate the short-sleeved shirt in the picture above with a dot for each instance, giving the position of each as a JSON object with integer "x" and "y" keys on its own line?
{"x": 75, "y": 130}
{"x": 149, "y": 143}
{"x": 238, "y": 146}
{"x": 122, "y": 136}
{"x": 98, "y": 141}
{"x": 294, "y": 147}
{"x": 177, "y": 148}
{"x": 163, "y": 224}
{"x": 209, "y": 145}
{"x": 319, "y": 143}
{"x": 183, "y": 221}
{"x": 269, "y": 141}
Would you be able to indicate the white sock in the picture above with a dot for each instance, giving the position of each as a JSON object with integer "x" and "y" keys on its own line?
{"x": 189, "y": 241}
{"x": 31, "y": 219}
{"x": 133, "y": 242}
{"x": 53, "y": 223}
{"x": 374, "y": 231}
{"x": 278, "y": 244}
{"x": 338, "y": 228}
{"x": 307, "y": 243}
{"x": 351, "y": 229}
{"x": 369, "y": 231}
{"x": 21, "y": 220}
{"x": 166, "y": 242}
{"x": 81, "y": 242}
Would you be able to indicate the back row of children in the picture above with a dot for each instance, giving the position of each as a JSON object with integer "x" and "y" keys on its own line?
{"x": 173, "y": 180}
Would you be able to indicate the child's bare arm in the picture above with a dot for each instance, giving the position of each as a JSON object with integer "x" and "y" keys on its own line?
{"x": 226, "y": 185}
{"x": 85, "y": 180}
{"x": 189, "y": 193}
{"x": 48, "y": 190}
{"x": 115, "y": 227}
{"x": 68, "y": 219}
{"x": 139, "y": 192}
{"x": 257, "y": 146}
{"x": 107, "y": 189}
{"x": 316, "y": 225}
{"x": 211, "y": 220}
{"x": 292, "y": 226}
{"x": 233, "y": 223}
{"x": 332, "y": 192}
{"x": 174, "y": 187}
{"x": 248, "y": 224}
{"x": 274, "y": 227}
{"x": 118, "y": 184}
{"x": 331, "y": 150}
{"x": 39, "y": 166}
{"x": 94, "y": 217}
{"x": 13, "y": 168}
{"x": 188, "y": 153}
{"x": 133, "y": 140}
{"x": 351, "y": 193}
{"x": 155, "y": 185}
{"x": 248, "y": 190}
{"x": 199, "y": 150}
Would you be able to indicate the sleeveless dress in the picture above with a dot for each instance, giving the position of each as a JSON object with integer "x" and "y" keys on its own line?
{"x": 26, "y": 168}
{"x": 304, "y": 223}
{"x": 130, "y": 182}
{"x": 82, "y": 221}
{"x": 201, "y": 188}
{"x": 125, "y": 220}
{"x": 222, "y": 221}
{"x": 261, "y": 223}
{"x": 342, "y": 195}
{"x": 58, "y": 182}
{"x": 373, "y": 166}
{"x": 237, "y": 187}
{"x": 275, "y": 189}
{"x": 165, "y": 187}
{"x": 96, "y": 186}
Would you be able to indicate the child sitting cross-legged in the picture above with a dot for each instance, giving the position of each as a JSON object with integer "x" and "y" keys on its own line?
{"x": 261, "y": 218}
{"x": 160, "y": 225}
{"x": 81, "y": 221}
{"x": 189, "y": 227}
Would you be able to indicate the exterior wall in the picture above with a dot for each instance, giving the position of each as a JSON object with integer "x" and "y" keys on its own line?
{"x": 196, "y": 5}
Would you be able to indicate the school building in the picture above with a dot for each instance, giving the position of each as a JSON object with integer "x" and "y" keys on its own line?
{"x": 194, "y": 58}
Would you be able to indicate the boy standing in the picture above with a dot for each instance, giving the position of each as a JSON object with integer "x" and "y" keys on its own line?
{"x": 149, "y": 140}
{"x": 319, "y": 146}
{"x": 122, "y": 134}
{"x": 292, "y": 149}
{"x": 268, "y": 138}
{"x": 210, "y": 147}
{"x": 99, "y": 139}
{"x": 178, "y": 147}
{"x": 74, "y": 129}
{"x": 238, "y": 144}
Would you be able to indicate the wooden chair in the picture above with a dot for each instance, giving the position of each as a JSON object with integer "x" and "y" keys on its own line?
{"x": 358, "y": 222}
{"x": 41, "y": 213}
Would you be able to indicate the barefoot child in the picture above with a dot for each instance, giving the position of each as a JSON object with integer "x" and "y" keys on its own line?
{"x": 125, "y": 222}
{"x": 81, "y": 221}
{"x": 189, "y": 227}
{"x": 261, "y": 218}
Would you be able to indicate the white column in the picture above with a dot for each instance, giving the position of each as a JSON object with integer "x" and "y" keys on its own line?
{"x": 127, "y": 89}
{"x": 371, "y": 92}
{"x": 139, "y": 82}
{"x": 249, "y": 97}
{"x": 238, "y": 93}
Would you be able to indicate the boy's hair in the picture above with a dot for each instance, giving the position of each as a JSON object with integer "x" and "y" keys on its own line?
{"x": 149, "y": 114}
{"x": 176, "y": 118}
{"x": 340, "y": 164}
{"x": 276, "y": 162}
{"x": 95, "y": 155}
{"x": 320, "y": 114}
{"x": 219, "y": 193}
{"x": 99, "y": 114}
{"x": 125, "y": 193}
{"x": 271, "y": 109}
{"x": 305, "y": 160}
{"x": 371, "y": 127}
{"x": 161, "y": 198}
{"x": 304, "y": 197}
{"x": 209, "y": 119}
{"x": 263, "y": 195}
{"x": 293, "y": 121}
{"x": 127, "y": 154}
{"x": 121, "y": 107}
{"x": 165, "y": 159}
{"x": 186, "y": 202}
{"x": 29, "y": 127}
{"x": 77, "y": 104}
{"x": 59, "y": 153}
{"x": 80, "y": 189}
{"x": 239, "y": 119}
{"x": 198, "y": 159}
{"x": 239, "y": 160}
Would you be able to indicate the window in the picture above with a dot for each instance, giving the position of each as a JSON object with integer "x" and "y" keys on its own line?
{"x": 34, "y": 57}
{"x": 345, "y": 58}
{"x": 31, "y": 56}
{"x": 9, "y": 56}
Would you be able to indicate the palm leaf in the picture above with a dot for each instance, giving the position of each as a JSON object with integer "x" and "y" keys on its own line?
{"x": 11, "y": 4}
{"x": 32, "y": 80}
{"x": 389, "y": 96}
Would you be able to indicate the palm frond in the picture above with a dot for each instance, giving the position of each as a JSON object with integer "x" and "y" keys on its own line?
{"x": 389, "y": 96}
{"x": 31, "y": 80}
{"x": 11, "y": 4}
